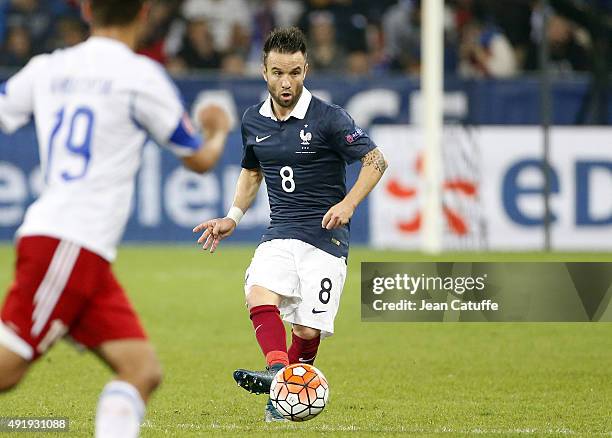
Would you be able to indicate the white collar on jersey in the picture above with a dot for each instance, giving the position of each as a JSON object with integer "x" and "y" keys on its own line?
{"x": 97, "y": 39}
{"x": 299, "y": 110}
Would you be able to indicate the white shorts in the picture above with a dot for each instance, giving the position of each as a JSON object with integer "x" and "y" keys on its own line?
{"x": 308, "y": 279}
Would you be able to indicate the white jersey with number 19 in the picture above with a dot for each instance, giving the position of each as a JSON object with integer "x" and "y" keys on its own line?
{"x": 94, "y": 105}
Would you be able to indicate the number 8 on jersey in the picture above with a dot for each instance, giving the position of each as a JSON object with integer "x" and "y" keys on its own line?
{"x": 288, "y": 183}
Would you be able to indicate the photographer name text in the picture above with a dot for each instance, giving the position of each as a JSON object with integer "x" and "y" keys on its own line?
{"x": 431, "y": 285}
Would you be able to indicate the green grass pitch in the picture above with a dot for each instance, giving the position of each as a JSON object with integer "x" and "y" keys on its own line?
{"x": 386, "y": 379}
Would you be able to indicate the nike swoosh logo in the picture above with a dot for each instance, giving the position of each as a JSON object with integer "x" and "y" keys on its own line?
{"x": 259, "y": 139}
{"x": 258, "y": 327}
{"x": 307, "y": 360}
{"x": 315, "y": 311}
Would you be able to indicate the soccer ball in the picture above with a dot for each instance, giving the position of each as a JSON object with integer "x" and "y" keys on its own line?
{"x": 299, "y": 392}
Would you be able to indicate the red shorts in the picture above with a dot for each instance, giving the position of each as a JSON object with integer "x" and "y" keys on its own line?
{"x": 63, "y": 289}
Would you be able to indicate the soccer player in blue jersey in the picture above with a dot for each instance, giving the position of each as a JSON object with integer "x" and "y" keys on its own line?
{"x": 301, "y": 146}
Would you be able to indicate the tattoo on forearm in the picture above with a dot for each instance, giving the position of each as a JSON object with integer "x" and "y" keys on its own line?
{"x": 375, "y": 158}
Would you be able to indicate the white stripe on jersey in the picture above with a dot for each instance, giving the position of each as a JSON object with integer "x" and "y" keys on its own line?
{"x": 50, "y": 289}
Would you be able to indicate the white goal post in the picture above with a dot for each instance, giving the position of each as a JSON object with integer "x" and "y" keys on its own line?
{"x": 432, "y": 83}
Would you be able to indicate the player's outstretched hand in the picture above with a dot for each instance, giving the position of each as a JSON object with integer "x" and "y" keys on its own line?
{"x": 215, "y": 230}
{"x": 340, "y": 214}
{"x": 213, "y": 119}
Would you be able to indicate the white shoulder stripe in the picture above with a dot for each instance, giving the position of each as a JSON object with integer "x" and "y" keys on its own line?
{"x": 53, "y": 284}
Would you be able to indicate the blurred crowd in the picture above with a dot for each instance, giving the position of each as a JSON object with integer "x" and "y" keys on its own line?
{"x": 483, "y": 38}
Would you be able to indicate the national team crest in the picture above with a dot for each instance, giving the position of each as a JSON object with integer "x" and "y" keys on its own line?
{"x": 306, "y": 137}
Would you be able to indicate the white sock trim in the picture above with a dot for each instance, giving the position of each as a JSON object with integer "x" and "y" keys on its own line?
{"x": 127, "y": 390}
{"x": 10, "y": 340}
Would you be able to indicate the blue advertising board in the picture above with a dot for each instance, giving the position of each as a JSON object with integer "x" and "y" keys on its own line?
{"x": 169, "y": 201}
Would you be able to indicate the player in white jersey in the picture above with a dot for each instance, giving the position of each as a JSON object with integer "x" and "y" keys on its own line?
{"x": 95, "y": 105}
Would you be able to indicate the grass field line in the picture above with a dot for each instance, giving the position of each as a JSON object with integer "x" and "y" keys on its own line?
{"x": 391, "y": 379}
{"x": 354, "y": 428}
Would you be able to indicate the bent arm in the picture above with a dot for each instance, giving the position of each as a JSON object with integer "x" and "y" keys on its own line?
{"x": 215, "y": 124}
{"x": 208, "y": 154}
{"x": 373, "y": 165}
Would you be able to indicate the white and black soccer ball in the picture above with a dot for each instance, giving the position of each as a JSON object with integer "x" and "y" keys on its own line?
{"x": 299, "y": 392}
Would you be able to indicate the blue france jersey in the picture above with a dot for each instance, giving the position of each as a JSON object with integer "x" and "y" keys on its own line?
{"x": 304, "y": 164}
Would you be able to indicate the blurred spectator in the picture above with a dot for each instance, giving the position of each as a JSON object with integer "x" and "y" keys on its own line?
{"x": 69, "y": 31}
{"x": 358, "y": 64}
{"x": 485, "y": 51}
{"x": 604, "y": 6}
{"x": 233, "y": 64}
{"x": 280, "y": 13}
{"x": 402, "y": 29}
{"x": 269, "y": 14}
{"x": 240, "y": 40}
{"x": 287, "y": 12}
{"x": 378, "y": 59}
{"x": 357, "y": 37}
{"x": 514, "y": 22}
{"x": 354, "y": 25}
{"x": 161, "y": 19}
{"x": 402, "y": 33}
{"x": 373, "y": 10}
{"x": 223, "y": 16}
{"x": 324, "y": 53}
{"x": 349, "y": 22}
{"x": 567, "y": 53}
{"x": 198, "y": 50}
{"x": 35, "y": 17}
{"x": 17, "y": 50}
{"x": 264, "y": 20}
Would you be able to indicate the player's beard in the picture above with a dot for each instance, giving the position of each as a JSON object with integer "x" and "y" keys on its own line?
{"x": 278, "y": 100}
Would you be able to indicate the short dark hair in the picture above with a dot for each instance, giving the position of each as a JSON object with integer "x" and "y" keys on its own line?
{"x": 115, "y": 12}
{"x": 285, "y": 40}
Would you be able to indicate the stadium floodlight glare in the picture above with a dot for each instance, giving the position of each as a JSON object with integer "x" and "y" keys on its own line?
{"x": 433, "y": 87}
